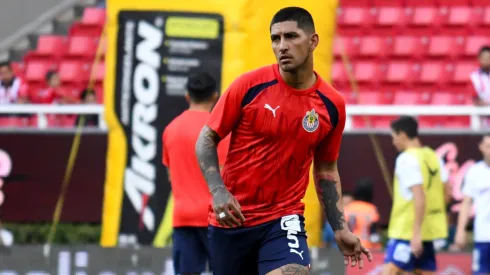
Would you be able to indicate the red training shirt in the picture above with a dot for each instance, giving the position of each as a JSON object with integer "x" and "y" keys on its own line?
{"x": 275, "y": 133}
{"x": 189, "y": 189}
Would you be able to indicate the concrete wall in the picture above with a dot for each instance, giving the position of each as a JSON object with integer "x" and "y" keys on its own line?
{"x": 14, "y": 14}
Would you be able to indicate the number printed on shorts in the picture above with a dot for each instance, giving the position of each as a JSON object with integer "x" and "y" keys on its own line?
{"x": 402, "y": 253}
{"x": 476, "y": 260}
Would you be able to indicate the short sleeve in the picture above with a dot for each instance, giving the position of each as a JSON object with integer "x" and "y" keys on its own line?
{"x": 165, "y": 158}
{"x": 329, "y": 148}
{"x": 444, "y": 171}
{"x": 375, "y": 217}
{"x": 469, "y": 183}
{"x": 227, "y": 112}
{"x": 223, "y": 147}
{"x": 408, "y": 171}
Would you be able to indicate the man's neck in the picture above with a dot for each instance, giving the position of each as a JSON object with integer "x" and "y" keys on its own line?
{"x": 301, "y": 79}
{"x": 201, "y": 107}
{"x": 414, "y": 143}
{"x": 485, "y": 70}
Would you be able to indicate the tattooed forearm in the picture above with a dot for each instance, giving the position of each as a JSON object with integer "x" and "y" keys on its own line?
{"x": 329, "y": 198}
{"x": 328, "y": 188}
{"x": 294, "y": 269}
{"x": 207, "y": 155}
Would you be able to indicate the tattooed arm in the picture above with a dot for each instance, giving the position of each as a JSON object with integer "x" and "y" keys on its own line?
{"x": 223, "y": 201}
{"x": 327, "y": 182}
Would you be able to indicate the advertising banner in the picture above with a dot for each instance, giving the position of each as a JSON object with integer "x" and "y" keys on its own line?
{"x": 37, "y": 164}
{"x": 94, "y": 260}
{"x": 152, "y": 47}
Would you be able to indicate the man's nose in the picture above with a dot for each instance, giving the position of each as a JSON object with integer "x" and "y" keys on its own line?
{"x": 283, "y": 46}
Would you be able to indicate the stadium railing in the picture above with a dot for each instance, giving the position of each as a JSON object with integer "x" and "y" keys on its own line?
{"x": 475, "y": 113}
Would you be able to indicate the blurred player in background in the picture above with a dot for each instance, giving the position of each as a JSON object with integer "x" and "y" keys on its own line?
{"x": 190, "y": 192}
{"x": 418, "y": 216}
{"x": 476, "y": 189}
{"x": 362, "y": 215}
{"x": 281, "y": 117}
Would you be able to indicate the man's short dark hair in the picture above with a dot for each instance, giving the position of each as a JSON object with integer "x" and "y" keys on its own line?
{"x": 201, "y": 86}
{"x": 6, "y": 64}
{"x": 364, "y": 190}
{"x": 299, "y": 15}
{"x": 407, "y": 125}
{"x": 50, "y": 74}
{"x": 485, "y": 48}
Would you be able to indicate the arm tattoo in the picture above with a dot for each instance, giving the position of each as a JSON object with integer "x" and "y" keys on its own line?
{"x": 294, "y": 269}
{"x": 329, "y": 197}
{"x": 207, "y": 155}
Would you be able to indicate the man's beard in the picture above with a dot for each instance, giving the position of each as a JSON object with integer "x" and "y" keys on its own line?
{"x": 294, "y": 69}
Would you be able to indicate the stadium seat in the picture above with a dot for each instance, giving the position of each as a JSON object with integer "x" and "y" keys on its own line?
{"x": 74, "y": 73}
{"x": 339, "y": 75}
{"x": 355, "y": 3}
{"x": 458, "y": 122}
{"x": 94, "y": 16}
{"x": 373, "y": 46}
{"x": 81, "y": 48}
{"x": 400, "y": 72}
{"x": 36, "y": 71}
{"x": 410, "y": 98}
{"x": 18, "y": 68}
{"x": 348, "y": 44}
{"x": 99, "y": 93}
{"x": 444, "y": 3}
{"x": 424, "y": 3}
{"x": 375, "y": 98}
{"x": 463, "y": 17}
{"x": 50, "y": 46}
{"x": 485, "y": 22}
{"x": 462, "y": 72}
{"x": 432, "y": 122}
{"x": 390, "y": 3}
{"x": 391, "y": 17}
{"x": 367, "y": 72}
{"x": 409, "y": 46}
{"x": 473, "y": 45}
{"x": 450, "y": 98}
{"x": 355, "y": 17}
{"x": 100, "y": 72}
{"x": 426, "y": 17}
{"x": 445, "y": 46}
{"x": 482, "y": 3}
{"x": 434, "y": 73}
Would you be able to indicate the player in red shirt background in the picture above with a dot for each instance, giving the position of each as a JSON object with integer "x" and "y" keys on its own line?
{"x": 190, "y": 192}
{"x": 281, "y": 117}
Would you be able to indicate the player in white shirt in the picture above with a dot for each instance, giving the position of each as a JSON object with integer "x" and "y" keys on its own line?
{"x": 481, "y": 78}
{"x": 476, "y": 189}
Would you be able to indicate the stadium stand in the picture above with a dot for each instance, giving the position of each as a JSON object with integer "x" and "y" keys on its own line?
{"x": 417, "y": 51}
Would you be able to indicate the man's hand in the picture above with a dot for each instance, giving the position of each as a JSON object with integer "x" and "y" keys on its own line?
{"x": 226, "y": 207}
{"x": 416, "y": 246}
{"x": 351, "y": 248}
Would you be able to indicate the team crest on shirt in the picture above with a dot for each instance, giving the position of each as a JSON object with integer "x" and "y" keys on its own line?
{"x": 310, "y": 121}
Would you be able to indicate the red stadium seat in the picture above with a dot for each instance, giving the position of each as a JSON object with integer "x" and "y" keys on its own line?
{"x": 82, "y": 48}
{"x": 444, "y": 3}
{"x": 357, "y": 17}
{"x": 18, "y": 68}
{"x": 463, "y": 16}
{"x": 390, "y": 17}
{"x": 434, "y": 73}
{"x": 51, "y": 46}
{"x": 367, "y": 72}
{"x": 36, "y": 71}
{"x": 373, "y": 46}
{"x": 485, "y": 22}
{"x": 348, "y": 44}
{"x": 462, "y": 72}
{"x": 432, "y": 122}
{"x": 474, "y": 43}
{"x": 100, "y": 72}
{"x": 426, "y": 17}
{"x": 390, "y": 3}
{"x": 410, "y": 98}
{"x": 458, "y": 122}
{"x": 424, "y": 3}
{"x": 339, "y": 74}
{"x": 375, "y": 98}
{"x": 409, "y": 46}
{"x": 450, "y": 98}
{"x": 72, "y": 72}
{"x": 482, "y": 3}
{"x": 400, "y": 72}
{"x": 445, "y": 46}
{"x": 99, "y": 93}
{"x": 355, "y": 3}
{"x": 94, "y": 16}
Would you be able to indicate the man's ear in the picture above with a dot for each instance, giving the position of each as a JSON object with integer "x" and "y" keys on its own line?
{"x": 187, "y": 97}
{"x": 314, "y": 40}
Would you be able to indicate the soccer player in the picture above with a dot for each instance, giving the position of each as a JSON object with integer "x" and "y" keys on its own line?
{"x": 190, "y": 192}
{"x": 418, "y": 216}
{"x": 281, "y": 117}
{"x": 476, "y": 189}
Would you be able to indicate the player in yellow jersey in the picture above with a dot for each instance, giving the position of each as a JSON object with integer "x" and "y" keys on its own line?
{"x": 418, "y": 216}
